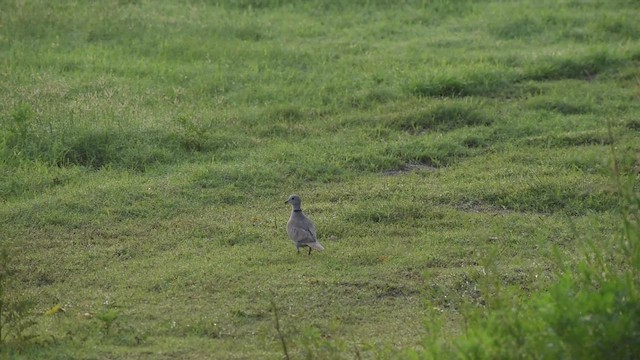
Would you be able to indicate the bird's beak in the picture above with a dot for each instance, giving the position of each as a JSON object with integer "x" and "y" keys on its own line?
{"x": 286, "y": 202}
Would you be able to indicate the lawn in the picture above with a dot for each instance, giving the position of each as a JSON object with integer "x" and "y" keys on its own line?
{"x": 147, "y": 149}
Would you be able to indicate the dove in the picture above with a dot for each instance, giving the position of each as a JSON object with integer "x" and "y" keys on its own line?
{"x": 300, "y": 228}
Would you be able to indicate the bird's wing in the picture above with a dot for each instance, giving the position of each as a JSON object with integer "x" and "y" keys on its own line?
{"x": 302, "y": 235}
{"x": 311, "y": 228}
{"x": 307, "y": 224}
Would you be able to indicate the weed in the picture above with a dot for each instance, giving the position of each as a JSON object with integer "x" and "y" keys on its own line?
{"x": 107, "y": 317}
{"x": 278, "y": 330}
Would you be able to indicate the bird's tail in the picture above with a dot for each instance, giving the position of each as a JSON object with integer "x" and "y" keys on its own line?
{"x": 316, "y": 246}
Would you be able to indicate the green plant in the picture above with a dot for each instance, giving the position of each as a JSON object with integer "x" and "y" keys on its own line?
{"x": 107, "y": 317}
{"x": 590, "y": 312}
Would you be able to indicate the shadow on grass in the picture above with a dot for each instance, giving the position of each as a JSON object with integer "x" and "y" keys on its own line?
{"x": 483, "y": 82}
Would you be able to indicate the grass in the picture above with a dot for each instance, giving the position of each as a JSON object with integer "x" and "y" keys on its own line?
{"x": 146, "y": 150}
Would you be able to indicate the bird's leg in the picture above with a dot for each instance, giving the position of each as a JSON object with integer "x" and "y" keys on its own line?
{"x": 309, "y": 251}
{"x": 298, "y": 250}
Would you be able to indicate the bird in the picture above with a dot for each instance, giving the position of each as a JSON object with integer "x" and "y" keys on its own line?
{"x": 300, "y": 228}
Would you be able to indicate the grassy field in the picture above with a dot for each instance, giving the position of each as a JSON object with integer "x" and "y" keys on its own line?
{"x": 147, "y": 149}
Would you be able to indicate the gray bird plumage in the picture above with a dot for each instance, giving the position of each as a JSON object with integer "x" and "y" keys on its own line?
{"x": 300, "y": 228}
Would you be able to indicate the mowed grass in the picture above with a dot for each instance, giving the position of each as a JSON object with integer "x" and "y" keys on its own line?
{"x": 148, "y": 148}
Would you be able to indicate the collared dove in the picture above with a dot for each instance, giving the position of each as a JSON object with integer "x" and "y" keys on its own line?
{"x": 300, "y": 228}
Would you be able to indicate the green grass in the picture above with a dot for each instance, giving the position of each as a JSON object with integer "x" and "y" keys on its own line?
{"x": 147, "y": 148}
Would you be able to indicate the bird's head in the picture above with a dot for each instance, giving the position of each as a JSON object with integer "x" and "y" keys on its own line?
{"x": 294, "y": 200}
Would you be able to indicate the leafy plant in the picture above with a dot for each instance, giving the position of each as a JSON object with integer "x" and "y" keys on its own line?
{"x": 107, "y": 317}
